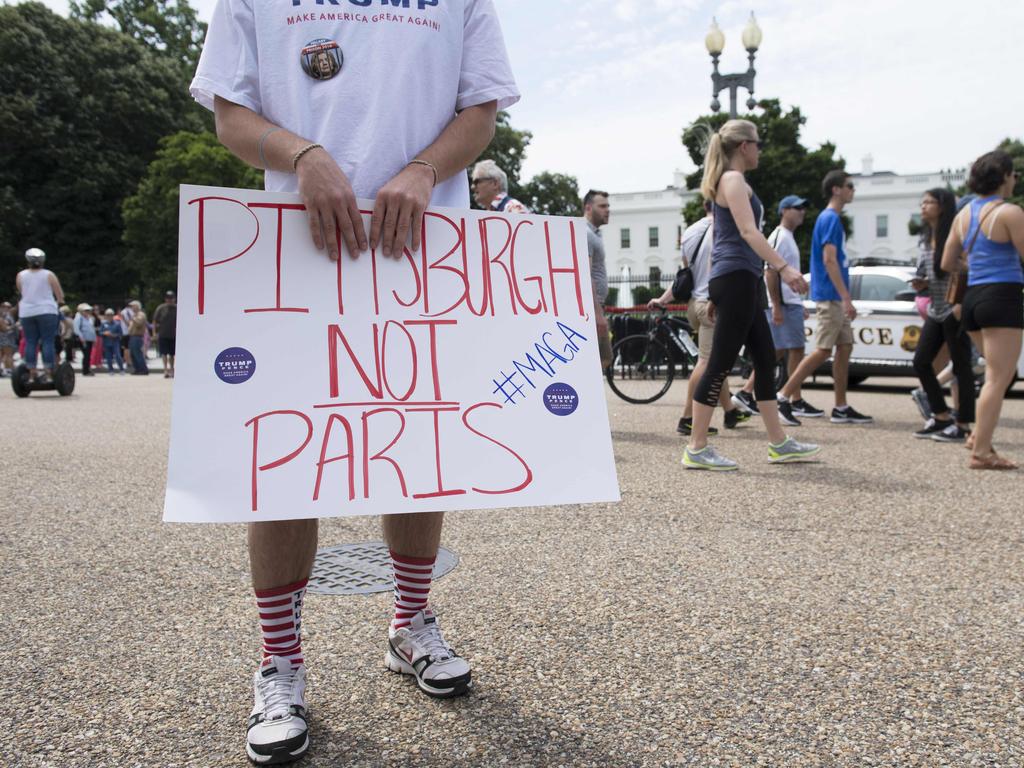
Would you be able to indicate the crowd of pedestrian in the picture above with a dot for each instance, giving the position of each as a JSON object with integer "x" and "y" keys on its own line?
{"x": 94, "y": 337}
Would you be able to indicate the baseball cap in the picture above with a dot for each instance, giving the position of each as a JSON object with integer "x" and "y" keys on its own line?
{"x": 169, "y": 295}
{"x": 83, "y": 307}
{"x": 791, "y": 201}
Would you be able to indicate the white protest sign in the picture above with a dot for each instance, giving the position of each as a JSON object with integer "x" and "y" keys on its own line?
{"x": 463, "y": 376}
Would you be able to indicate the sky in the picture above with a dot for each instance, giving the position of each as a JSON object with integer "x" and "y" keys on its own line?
{"x": 608, "y": 85}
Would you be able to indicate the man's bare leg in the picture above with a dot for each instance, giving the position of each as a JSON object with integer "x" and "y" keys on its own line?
{"x": 417, "y": 534}
{"x": 794, "y": 358}
{"x": 840, "y": 372}
{"x": 281, "y": 552}
{"x": 809, "y": 365}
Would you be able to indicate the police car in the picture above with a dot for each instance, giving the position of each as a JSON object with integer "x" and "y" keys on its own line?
{"x": 887, "y": 326}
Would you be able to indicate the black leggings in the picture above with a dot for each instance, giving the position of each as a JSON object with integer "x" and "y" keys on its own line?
{"x": 933, "y": 335}
{"x": 739, "y": 320}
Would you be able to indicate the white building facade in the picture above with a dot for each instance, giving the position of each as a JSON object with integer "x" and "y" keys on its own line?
{"x": 642, "y": 237}
{"x": 883, "y": 206}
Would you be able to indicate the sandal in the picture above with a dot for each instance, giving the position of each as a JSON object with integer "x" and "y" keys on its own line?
{"x": 992, "y": 461}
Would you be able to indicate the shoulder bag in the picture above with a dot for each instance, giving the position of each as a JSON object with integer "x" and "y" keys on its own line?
{"x": 683, "y": 285}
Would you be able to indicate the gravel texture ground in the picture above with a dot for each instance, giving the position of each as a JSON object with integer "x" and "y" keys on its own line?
{"x": 862, "y": 611}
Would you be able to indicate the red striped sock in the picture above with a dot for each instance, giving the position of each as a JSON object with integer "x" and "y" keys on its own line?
{"x": 281, "y": 620}
{"x": 412, "y": 586}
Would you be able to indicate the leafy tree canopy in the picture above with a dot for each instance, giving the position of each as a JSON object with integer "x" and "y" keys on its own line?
{"x": 786, "y": 167}
{"x": 556, "y": 194}
{"x": 83, "y": 109}
{"x": 151, "y": 214}
{"x": 172, "y": 28}
{"x": 553, "y": 194}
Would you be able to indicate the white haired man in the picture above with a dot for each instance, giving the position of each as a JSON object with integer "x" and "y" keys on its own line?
{"x": 490, "y": 189}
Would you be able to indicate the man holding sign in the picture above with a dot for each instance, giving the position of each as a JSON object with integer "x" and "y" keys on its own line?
{"x": 336, "y": 103}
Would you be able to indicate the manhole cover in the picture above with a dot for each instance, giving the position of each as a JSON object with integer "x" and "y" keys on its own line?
{"x": 361, "y": 569}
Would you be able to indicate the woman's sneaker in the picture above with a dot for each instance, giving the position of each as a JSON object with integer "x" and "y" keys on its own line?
{"x": 920, "y": 398}
{"x": 847, "y": 415}
{"x": 735, "y": 417}
{"x": 790, "y": 450}
{"x": 802, "y": 408}
{"x": 277, "y": 730}
{"x": 786, "y": 414}
{"x": 420, "y": 650}
{"x": 953, "y": 433}
{"x": 931, "y": 427}
{"x": 746, "y": 403}
{"x": 707, "y": 458}
{"x": 685, "y": 427}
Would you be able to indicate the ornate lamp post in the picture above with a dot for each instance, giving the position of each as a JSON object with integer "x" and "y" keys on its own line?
{"x": 715, "y": 43}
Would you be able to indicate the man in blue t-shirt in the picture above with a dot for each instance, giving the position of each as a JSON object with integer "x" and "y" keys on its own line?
{"x": 830, "y": 289}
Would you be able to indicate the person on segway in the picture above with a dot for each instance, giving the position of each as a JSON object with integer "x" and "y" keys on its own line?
{"x": 41, "y": 294}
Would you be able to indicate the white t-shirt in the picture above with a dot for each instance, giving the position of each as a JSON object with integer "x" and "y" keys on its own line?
{"x": 699, "y": 260}
{"x": 374, "y": 83}
{"x": 782, "y": 240}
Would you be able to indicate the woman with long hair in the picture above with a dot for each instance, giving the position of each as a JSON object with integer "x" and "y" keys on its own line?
{"x": 737, "y": 296}
{"x": 942, "y": 327}
{"x": 989, "y": 233}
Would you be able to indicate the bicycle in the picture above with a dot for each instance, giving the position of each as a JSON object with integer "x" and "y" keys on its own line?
{"x": 644, "y": 365}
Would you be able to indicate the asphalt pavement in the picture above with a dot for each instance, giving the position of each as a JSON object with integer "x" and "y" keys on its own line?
{"x": 865, "y": 610}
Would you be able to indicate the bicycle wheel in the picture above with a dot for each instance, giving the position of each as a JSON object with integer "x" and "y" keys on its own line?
{"x": 642, "y": 369}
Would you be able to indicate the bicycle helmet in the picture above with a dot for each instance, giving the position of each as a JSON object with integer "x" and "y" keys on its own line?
{"x": 35, "y": 257}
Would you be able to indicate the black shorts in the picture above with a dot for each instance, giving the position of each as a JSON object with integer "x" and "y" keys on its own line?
{"x": 166, "y": 345}
{"x": 993, "y": 305}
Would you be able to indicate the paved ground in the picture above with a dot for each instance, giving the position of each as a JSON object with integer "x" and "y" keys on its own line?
{"x": 863, "y": 611}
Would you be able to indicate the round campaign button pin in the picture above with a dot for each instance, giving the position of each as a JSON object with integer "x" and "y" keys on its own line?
{"x": 235, "y": 365}
{"x": 561, "y": 399}
{"x": 321, "y": 59}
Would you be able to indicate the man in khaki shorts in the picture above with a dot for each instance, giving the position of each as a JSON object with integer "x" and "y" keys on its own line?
{"x": 696, "y": 247}
{"x": 830, "y": 289}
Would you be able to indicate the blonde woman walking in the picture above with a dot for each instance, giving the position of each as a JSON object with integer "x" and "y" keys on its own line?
{"x": 737, "y": 295}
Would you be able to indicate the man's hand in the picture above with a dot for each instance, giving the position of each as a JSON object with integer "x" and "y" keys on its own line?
{"x": 331, "y": 204}
{"x": 777, "y": 316}
{"x": 399, "y": 208}
{"x": 918, "y": 283}
{"x": 711, "y": 312}
{"x": 848, "y": 309}
{"x": 793, "y": 279}
{"x": 655, "y": 304}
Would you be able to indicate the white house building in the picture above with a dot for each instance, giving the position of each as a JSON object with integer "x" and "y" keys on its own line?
{"x": 642, "y": 237}
{"x": 883, "y": 206}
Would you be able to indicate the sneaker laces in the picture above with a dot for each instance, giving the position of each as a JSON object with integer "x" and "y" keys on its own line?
{"x": 276, "y": 692}
{"x": 430, "y": 638}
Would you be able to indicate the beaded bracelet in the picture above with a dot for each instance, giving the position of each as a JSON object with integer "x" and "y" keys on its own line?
{"x": 429, "y": 165}
{"x": 298, "y": 155}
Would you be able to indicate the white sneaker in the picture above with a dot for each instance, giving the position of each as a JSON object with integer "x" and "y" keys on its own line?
{"x": 420, "y": 650}
{"x": 277, "y": 726}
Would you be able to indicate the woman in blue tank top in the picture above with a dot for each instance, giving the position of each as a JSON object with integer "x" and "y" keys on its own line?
{"x": 738, "y": 256}
{"x": 987, "y": 239}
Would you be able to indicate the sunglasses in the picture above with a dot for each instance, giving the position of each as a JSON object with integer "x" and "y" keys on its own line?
{"x": 759, "y": 142}
{"x": 474, "y": 182}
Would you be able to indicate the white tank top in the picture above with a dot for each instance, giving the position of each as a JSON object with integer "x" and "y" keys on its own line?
{"x": 36, "y": 293}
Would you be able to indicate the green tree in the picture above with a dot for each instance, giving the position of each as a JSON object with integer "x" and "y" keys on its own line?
{"x": 151, "y": 214}
{"x": 171, "y": 28}
{"x": 82, "y": 111}
{"x": 1015, "y": 148}
{"x": 786, "y": 166}
{"x": 553, "y": 194}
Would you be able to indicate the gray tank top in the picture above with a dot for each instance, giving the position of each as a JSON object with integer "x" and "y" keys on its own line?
{"x": 731, "y": 252}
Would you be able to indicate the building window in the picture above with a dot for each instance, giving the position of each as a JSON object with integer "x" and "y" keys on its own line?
{"x": 624, "y": 238}
{"x": 654, "y": 278}
{"x": 679, "y": 235}
{"x": 652, "y": 237}
{"x": 881, "y": 225}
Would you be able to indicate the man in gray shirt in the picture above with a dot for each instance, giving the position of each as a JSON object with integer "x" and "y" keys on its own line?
{"x": 597, "y": 210}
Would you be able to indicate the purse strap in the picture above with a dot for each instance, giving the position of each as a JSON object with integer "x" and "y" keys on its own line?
{"x": 981, "y": 223}
{"x": 700, "y": 244}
